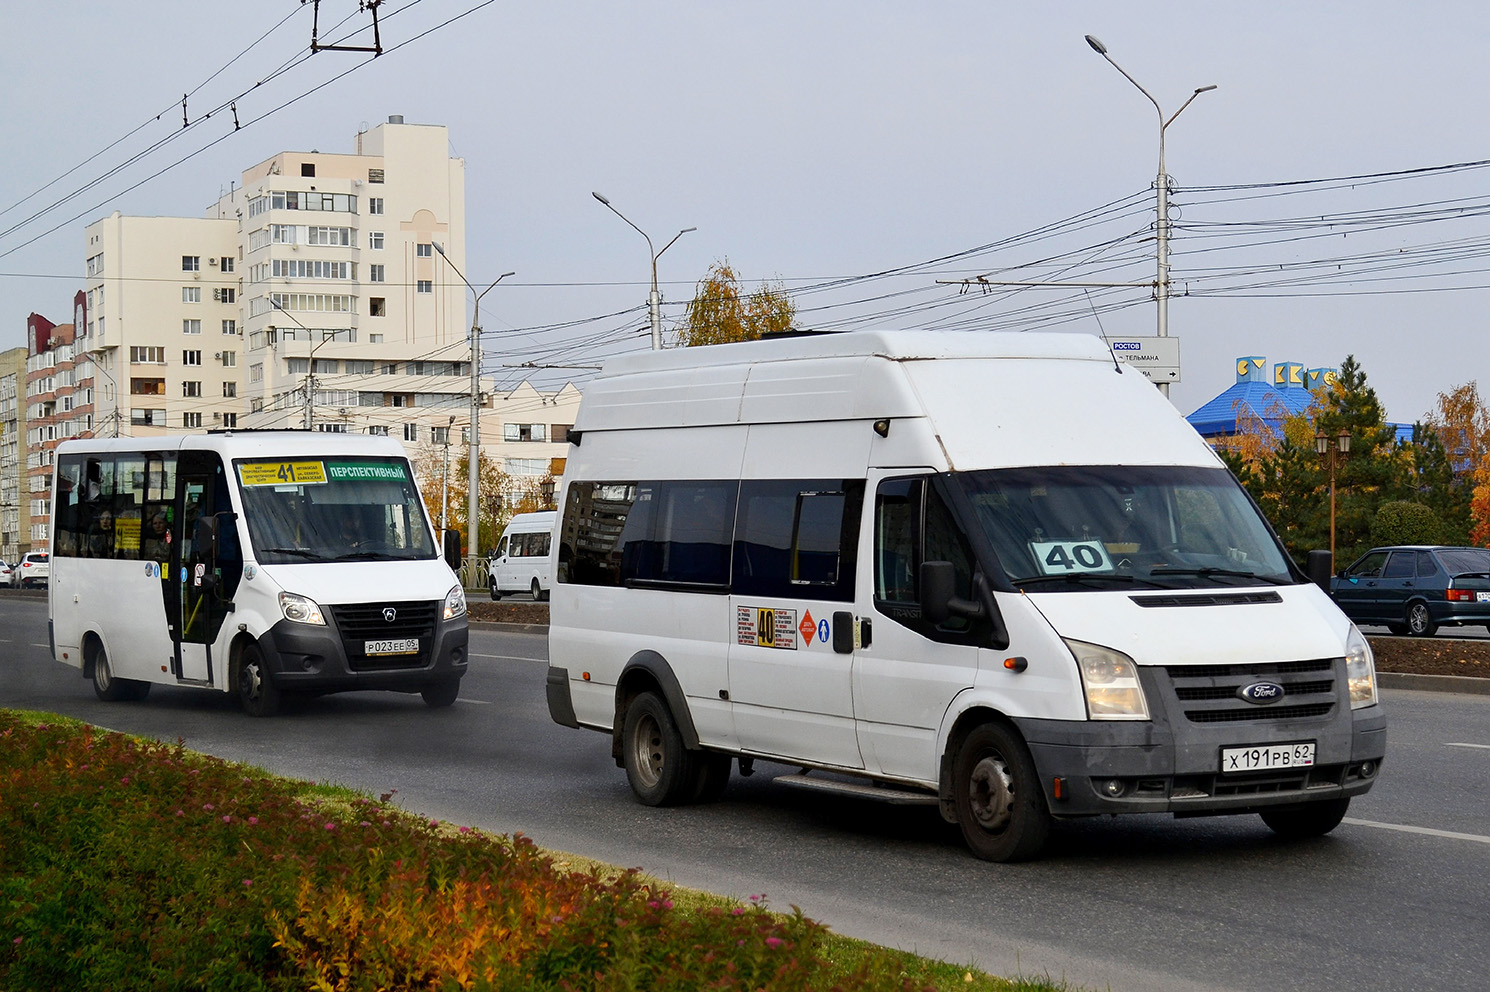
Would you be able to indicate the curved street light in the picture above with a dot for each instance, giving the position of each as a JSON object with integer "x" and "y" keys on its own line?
{"x": 1161, "y": 281}
{"x": 654, "y": 301}
{"x": 473, "y": 476}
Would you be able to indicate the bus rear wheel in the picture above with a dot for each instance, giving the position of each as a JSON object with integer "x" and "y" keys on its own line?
{"x": 659, "y": 767}
{"x": 111, "y": 689}
{"x": 256, "y": 692}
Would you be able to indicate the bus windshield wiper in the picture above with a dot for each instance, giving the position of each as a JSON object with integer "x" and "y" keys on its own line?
{"x": 1209, "y": 572}
{"x": 1083, "y": 577}
{"x": 368, "y": 555}
{"x": 301, "y": 552}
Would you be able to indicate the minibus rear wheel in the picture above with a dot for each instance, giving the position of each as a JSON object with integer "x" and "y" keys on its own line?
{"x": 1000, "y": 807}
{"x": 111, "y": 689}
{"x": 661, "y": 770}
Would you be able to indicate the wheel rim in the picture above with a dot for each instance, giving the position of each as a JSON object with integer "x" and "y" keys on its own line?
{"x": 101, "y": 674}
{"x": 991, "y": 793}
{"x": 1417, "y": 618}
{"x": 646, "y": 746}
{"x": 536, "y": 590}
{"x": 250, "y": 681}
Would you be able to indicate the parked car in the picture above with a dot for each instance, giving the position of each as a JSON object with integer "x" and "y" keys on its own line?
{"x": 5, "y": 573}
{"x": 1416, "y": 589}
{"x": 34, "y": 569}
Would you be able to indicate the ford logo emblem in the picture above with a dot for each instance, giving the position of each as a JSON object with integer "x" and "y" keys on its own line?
{"x": 390, "y": 614}
{"x": 1261, "y": 693}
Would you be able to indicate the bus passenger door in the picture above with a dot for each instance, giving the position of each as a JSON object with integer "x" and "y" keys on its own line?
{"x": 196, "y": 574}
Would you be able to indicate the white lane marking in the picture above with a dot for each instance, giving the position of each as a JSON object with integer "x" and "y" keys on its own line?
{"x": 479, "y": 702}
{"x": 1455, "y": 744}
{"x": 1427, "y": 831}
{"x": 498, "y": 657}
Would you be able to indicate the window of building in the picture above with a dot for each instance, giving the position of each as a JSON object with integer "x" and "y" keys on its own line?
{"x": 377, "y": 306}
{"x": 147, "y": 418}
{"x": 229, "y": 359}
{"x": 559, "y": 433}
{"x": 524, "y": 432}
{"x": 283, "y": 234}
{"x": 375, "y": 239}
{"x": 326, "y": 366}
{"x": 147, "y": 387}
{"x": 230, "y": 420}
{"x": 191, "y": 327}
{"x": 227, "y": 295}
{"x": 378, "y": 430}
{"x": 374, "y": 204}
{"x": 359, "y": 367}
{"x": 191, "y": 420}
{"x": 256, "y": 372}
{"x": 95, "y": 265}
{"x": 297, "y": 366}
{"x": 375, "y": 273}
{"x": 374, "y": 175}
{"x": 439, "y": 435}
{"x": 328, "y": 236}
{"x": 308, "y": 170}
{"x": 411, "y": 432}
{"x": 141, "y": 355}
{"x": 375, "y": 339}
{"x": 191, "y": 388}
{"x": 191, "y": 358}
{"x": 230, "y": 389}
{"x": 191, "y": 294}
{"x": 227, "y": 263}
{"x": 326, "y": 428}
{"x": 230, "y": 327}
{"x": 191, "y": 263}
{"x": 424, "y": 250}
{"x": 425, "y": 286}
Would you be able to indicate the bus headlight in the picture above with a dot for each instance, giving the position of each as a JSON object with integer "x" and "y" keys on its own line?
{"x": 300, "y": 609}
{"x": 455, "y": 603}
{"x": 1110, "y": 681}
{"x": 1360, "y": 670}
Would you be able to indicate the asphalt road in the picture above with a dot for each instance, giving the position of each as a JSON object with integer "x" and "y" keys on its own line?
{"x": 1396, "y": 898}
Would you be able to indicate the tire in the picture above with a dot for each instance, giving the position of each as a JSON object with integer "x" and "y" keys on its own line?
{"x": 111, "y": 689}
{"x": 1306, "y": 820}
{"x": 441, "y": 694}
{"x": 1000, "y": 807}
{"x": 537, "y": 591}
{"x": 1400, "y": 629}
{"x": 257, "y": 692}
{"x": 492, "y": 585}
{"x": 660, "y": 770}
{"x": 1420, "y": 621}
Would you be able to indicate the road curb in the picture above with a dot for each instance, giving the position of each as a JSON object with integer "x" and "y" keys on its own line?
{"x": 527, "y": 628}
{"x": 1462, "y": 684}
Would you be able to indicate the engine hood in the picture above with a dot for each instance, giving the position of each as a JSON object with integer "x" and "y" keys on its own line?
{"x": 1190, "y": 627}
{"x": 330, "y": 583}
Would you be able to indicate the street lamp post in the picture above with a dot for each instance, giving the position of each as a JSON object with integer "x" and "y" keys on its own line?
{"x": 654, "y": 300}
{"x": 445, "y": 488}
{"x": 310, "y": 368}
{"x": 1332, "y": 447}
{"x": 473, "y": 477}
{"x": 1161, "y": 230}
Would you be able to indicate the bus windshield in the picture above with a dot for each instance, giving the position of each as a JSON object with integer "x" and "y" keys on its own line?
{"x": 1079, "y": 528}
{"x": 333, "y": 509}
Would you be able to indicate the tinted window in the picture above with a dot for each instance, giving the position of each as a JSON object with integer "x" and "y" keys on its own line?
{"x": 649, "y": 533}
{"x": 1426, "y": 565}
{"x": 1457, "y": 561}
{"x": 913, "y": 524}
{"x": 1368, "y": 567}
{"x": 1400, "y": 565}
{"x": 796, "y": 538}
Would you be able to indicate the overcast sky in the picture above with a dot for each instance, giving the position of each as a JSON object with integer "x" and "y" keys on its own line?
{"x": 856, "y": 152}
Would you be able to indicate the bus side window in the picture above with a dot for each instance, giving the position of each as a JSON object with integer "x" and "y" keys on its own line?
{"x": 68, "y": 529}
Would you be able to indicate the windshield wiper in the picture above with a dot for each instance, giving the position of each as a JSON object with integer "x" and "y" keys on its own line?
{"x": 1209, "y": 572}
{"x": 1083, "y": 577}
{"x": 368, "y": 555}
{"x": 290, "y": 551}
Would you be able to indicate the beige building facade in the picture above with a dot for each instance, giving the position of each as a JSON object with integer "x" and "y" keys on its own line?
{"x": 14, "y": 496}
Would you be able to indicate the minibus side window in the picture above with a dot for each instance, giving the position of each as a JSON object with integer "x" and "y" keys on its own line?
{"x": 595, "y": 514}
{"x": 674, "y": 533}
{"x": 797, "y": 538}
{"x": 912, "y": 525}
{"x": 68, "y": 526}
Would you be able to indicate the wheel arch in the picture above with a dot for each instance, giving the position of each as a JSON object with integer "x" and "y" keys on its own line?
{"x": 88, "y": 647}
{"x": 648, "y": 671}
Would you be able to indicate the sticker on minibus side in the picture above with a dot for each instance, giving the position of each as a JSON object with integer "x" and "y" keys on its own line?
{"x": 766, "y": 627}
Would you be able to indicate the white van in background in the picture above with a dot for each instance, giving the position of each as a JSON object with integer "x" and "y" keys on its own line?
{"x": 997, "y": 574}
{"x": 524, "y": 558}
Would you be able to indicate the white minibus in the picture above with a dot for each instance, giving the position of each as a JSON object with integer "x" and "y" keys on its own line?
{"x": 524, "y": 558}
{"x": 261, "y": 563}
{"x": 997, "y": 574}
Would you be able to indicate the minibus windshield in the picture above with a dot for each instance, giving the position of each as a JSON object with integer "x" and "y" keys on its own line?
{"x": 1077, "y": 528}
{"x": 333, "y": 510}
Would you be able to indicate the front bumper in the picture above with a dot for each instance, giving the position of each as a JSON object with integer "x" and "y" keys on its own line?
{"x": 312, "y": 658}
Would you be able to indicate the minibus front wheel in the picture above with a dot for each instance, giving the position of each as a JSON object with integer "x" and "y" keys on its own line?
{"x": 257, "y": 694}
{"x": 1000, "y": 807}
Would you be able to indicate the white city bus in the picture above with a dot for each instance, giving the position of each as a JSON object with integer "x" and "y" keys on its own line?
{"x": 260, "y": 563}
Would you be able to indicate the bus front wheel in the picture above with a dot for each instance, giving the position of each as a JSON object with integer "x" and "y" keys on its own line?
{"x": 1000, "y": 807}
{"x": 256, "y": 693}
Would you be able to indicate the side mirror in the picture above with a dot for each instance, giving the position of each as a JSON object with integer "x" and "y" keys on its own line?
{"x": 204, "y": 537}
{"x": 938, "y": 584}
{"x": 452, "y": 549}
{"x": 1320, "y": 567}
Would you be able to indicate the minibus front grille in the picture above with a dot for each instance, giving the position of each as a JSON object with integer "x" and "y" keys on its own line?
{"x": 1214, "y": 693}
{"x": 363, "y": 622}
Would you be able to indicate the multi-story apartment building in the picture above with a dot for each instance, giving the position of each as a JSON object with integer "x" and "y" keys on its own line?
{"x": 59, "y": 405}
{"x": 14, "y": 538}
{"x": 325, "y": 291}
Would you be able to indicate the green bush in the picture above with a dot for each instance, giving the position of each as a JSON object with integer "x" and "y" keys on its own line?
{"x": 128, "y": 864}
{"x": 1404, "y": 522}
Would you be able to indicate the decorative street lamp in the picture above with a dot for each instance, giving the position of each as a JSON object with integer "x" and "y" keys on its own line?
{"x": 1161, "y": 230}
{"x": 1335, "y": 447}
{"x": 654, "y": 301}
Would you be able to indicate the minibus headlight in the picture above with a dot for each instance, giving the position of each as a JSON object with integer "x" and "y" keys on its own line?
{"x": 1110, "y": 681}
{"x": 1360, "y": 670}
{"x": 300, "y": 609}
{"x": 455, "y": 603}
